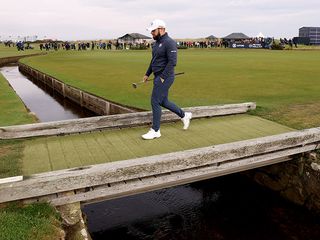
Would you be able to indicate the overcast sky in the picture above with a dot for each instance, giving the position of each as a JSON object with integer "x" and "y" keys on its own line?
{"x": 106, "y": 19}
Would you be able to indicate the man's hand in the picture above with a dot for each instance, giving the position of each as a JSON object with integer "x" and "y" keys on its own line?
{"x": 145, "y": 78}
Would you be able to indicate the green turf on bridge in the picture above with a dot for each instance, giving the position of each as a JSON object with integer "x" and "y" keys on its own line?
{"x": 61, "y": 152}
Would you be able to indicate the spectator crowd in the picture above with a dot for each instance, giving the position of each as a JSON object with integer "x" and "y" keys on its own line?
{"x": 117, "y": 45}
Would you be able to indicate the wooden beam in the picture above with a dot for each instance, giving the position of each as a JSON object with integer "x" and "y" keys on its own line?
{"x": 255, "y": 150}
{"x": 142, "y": 185}
{"x": 114, "y": 121}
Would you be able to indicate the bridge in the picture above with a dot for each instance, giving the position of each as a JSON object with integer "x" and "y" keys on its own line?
{"x": 94, "y": 159}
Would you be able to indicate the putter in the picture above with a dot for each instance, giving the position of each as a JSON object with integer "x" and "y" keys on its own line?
{"x": 135, "y": 85}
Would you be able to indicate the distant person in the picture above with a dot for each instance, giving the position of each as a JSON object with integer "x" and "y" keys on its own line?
{"x": 294, "y": 40}
{"x": 20, "y": 46}
{"x": 290, "y": 43}
{"x": 164, "y": 59}
{"x": 109, "y": 45}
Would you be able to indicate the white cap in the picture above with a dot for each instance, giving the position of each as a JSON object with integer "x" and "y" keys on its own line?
{"x": 157, "y": 23}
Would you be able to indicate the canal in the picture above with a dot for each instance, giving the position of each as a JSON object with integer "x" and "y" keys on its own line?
{"x": 226, "y": 208}
{"x": 40, "y": 99}
{"x": 229, "y": 207}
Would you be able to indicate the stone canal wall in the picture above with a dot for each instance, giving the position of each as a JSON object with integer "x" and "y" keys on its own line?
{"x": 297, "y": 180}
{"x": 87, "y": 100}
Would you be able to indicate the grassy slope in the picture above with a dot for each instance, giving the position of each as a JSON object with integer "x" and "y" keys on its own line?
{"x": 32, "y": 222}
{"x": 13, "y": 109}
{"x": 13, "y": 112}
{"x": 274, "y": 79}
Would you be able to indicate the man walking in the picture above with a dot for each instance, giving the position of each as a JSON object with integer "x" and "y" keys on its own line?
{"x": 164, "y": 59}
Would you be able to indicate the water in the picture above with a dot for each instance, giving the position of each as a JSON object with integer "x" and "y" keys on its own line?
{"x": 41, "y": 100}
{"x": 230, "y": 207}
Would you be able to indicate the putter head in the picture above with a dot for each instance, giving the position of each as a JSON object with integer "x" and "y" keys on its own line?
{"x": 134, "y": 85}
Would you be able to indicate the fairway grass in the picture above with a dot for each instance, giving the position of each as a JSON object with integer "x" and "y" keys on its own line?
{"x": 273, "y": 79}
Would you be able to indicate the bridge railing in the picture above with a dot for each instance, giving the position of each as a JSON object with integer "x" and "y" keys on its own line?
{"x": 115, "y": 121}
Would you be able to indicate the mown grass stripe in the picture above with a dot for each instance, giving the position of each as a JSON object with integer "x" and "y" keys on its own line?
{"x": 70, "y": 153}
{"x": 55, "y": 153}
{"x": 35, "y": 158}
{"x": 117, "y": 145}
{"x": 104, "y": 145}
{"x": 128, "y": 138}
{"x": 95, "y": 149}
{"x": 85, "y": 156}
{"x": 109, "y": 146}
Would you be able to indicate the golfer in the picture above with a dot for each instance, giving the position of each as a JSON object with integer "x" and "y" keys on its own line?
{"x": 164, "y": 59}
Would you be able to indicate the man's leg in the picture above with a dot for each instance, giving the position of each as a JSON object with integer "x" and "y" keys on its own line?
{"x": 158, "y": 93}
{"x": 165, "y": 101}
{"x": 172, "y": 107}
{"x": 156, "y": 99}
{"x": 185, "y": 116}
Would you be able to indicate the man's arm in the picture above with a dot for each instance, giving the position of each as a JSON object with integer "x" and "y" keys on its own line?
{"x": 149, "y": 71}
{"x": 171, "y": 51}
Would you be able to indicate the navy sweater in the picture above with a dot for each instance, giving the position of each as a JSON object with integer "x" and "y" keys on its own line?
{"x": 164, "y": 57}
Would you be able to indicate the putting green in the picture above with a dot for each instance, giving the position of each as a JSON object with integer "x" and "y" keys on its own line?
{"x": 61, "y": 152}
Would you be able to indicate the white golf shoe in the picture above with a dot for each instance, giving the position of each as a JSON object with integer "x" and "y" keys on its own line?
{"x": 152, "y": 134}
{"x": 186, "y": 120}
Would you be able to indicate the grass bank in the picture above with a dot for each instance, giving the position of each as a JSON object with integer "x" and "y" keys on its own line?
{"x": 12, "y": 51}
{"x": 35, "y": 221}
{"x": 13, "y": 112}
{"x": 32, "y": 222}
{"x": 278, "y": 81}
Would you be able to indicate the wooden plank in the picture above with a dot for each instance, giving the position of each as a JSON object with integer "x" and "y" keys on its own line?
{"x": 114, "y": 121}
{"x": 65, "y": 180}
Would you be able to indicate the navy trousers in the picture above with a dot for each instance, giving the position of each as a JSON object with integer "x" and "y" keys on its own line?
{"x": 159, "y": 98}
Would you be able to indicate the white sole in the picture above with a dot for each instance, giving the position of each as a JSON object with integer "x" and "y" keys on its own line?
{"x": 150, "y": 138}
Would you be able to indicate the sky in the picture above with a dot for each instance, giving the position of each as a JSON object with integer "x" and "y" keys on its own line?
{"x": 109, "y": 19}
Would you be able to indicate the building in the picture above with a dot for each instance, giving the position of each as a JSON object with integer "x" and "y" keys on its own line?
{"x": 133, "y": 38}
{"x": 236, "y": 36}
{"x": 311, "y": 32}
{"x": 211, "y": 38}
